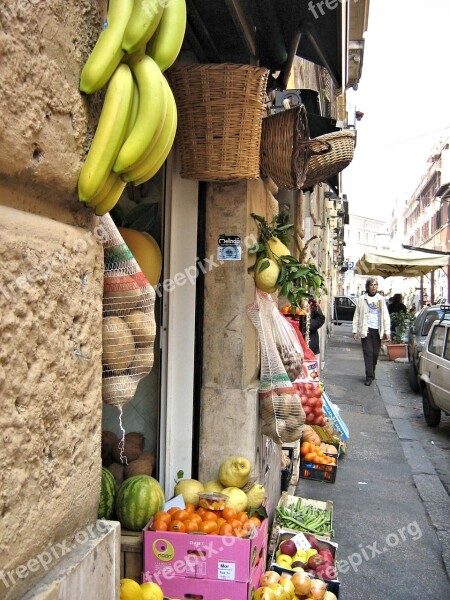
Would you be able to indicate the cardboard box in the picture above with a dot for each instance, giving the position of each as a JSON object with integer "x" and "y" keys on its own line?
{"x": 331, "y": 411}
{"x": 199, "y": 556}
{"x": 284, "y": 534}
{"x": 211, "y": 589}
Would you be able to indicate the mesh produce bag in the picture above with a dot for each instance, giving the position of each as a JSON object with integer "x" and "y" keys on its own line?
{"x": 129, "y": 326}
{"x": 280, "y": 409}
{"x": 288, "y": 344}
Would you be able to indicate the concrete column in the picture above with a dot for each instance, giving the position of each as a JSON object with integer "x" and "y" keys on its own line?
{"x": 229, "y": 413}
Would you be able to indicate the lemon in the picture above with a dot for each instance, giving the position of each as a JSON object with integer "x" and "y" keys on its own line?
{"x": 189, "y": 489}
{"x": 151, "y": 591}
{"x": 213, "y": 486}
{"x": 276, "y": 248}
{"x": 235, "y": 471}
{"x": 266, "y": 280}
{"x": 237, "y": 499}
{"x": 256, "y": 496}
{"x": 130, "y": 590}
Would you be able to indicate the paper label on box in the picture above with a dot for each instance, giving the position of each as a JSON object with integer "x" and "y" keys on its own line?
{"x": 301, "y": 542}
{"x": 226, "y": 570}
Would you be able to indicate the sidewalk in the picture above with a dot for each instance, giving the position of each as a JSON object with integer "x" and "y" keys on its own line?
{"x": 392, "y": 512}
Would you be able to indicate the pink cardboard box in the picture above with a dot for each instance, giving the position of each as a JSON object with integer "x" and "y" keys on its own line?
{"x": 210, "y": 589}
{"x": 168, "y": 554}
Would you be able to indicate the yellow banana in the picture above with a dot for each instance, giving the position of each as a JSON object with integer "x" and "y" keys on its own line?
{"x": 112, "y": 198}
{"x": 142, "y": 25}
{"x": 134, "y": 109}
{"x": 109, "y": 135}
{"x": 104, "y": 191}
{"x": 151, "y": 112}
{"x": 159, "y": 153}
{"x": 107, "y": 52}
{"x": 165, "y": 45}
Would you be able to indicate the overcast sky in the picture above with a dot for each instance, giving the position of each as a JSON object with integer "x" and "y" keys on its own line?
{"x": 404, "y": 93}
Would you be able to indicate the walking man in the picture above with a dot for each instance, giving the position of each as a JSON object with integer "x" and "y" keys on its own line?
{"x": 371, "y": 323}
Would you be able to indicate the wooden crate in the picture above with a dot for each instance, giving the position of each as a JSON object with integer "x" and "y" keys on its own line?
{"x": 131, "y": 555}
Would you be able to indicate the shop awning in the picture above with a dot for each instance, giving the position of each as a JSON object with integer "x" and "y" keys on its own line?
{"x": 408, "y": 263}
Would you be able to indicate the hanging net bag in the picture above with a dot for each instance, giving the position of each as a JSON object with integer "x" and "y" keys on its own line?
{"x": 280, "y": 409}
{"x": 129, "y": 326}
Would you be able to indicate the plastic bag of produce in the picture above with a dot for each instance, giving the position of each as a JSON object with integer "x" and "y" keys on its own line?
{"x": 281, "y": 413}
{"x": 129, "y": 326}
{"x": 288, "y": 344}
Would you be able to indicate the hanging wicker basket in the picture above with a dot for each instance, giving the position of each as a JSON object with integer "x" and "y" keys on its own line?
{"x": 220, "y": 111}
{"x": 285, "y": 147}
{"x": 324, "y": 166}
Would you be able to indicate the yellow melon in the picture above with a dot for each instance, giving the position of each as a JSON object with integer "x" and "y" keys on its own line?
{"x": 146, "y": 252}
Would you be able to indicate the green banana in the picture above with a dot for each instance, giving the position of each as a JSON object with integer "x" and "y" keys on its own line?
{"x": 109, "y": 135}
{"x": 142, "y": 24}
{"x": 111, "y": 199}
{"x": 150, "y": 114}
{"x": 165, "y": 45}
{"x": 160, "y": 150}
{"x": 107, "y": 52}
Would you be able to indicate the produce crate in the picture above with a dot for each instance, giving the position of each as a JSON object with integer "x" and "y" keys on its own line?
{"x": 318, "y": 472}
{"x": 286, "y": 500}
{"x": 131, "y": 555}
{"x": 284, "y": 534}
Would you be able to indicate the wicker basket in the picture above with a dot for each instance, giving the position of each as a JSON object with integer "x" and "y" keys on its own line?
{"x": 322, "y": 167}
{"x": 285, "y": 148}
{"x": 220, "y": 111}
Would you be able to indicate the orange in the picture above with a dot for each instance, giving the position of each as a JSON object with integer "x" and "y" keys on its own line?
{"x": 207, "y": 526}
{"x": 242, "y": 516}
{"x": 162, "y": 516}
{"x": 248, "y": 526}
{"x": 200, "y": 510}
{"x": 190, "y": 526}
{"x": 225, "y": 529}
{"x": 159, "y": 525}
{"x": 228, "y": 513}
{"x": 220, "y": 521}
{"x": 173, "y": 509}
{"x": 209, "y": 515}
{"x": 190, "y": 508}
{"x": 235, "y": 523}
{"x": 240, "y": 533}
{"x": 255, "y": 521}
{"x": 195, "y": 517}
{"x": 177, "y": 526}
{"x": 180, "y": 515}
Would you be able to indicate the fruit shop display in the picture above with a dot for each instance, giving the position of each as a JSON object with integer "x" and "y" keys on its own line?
{"x": 310, "y": 452}
{"x": 317, "y": 560}
{"x": 138, "y": 121}
{"x": 305, "y": 518}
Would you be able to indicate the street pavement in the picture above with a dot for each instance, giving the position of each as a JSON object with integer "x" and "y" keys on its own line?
{"x": 391, "y": 495}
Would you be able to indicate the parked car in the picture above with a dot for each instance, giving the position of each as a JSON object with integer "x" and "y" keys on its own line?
{"x": 434, "y": 370}
{"x": 343, "y": 309}
{"x": 416, "y": 339}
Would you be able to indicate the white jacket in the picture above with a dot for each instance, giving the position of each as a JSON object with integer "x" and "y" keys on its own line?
{"x": 362, "y": 311}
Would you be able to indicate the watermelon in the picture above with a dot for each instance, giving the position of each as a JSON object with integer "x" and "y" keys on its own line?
{"x": 137, "y": 500}
{"x": 107, "y": 495}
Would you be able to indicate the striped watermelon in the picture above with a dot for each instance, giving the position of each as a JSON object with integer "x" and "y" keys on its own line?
{"x": 137, "y": 500}
{"x": 107, "y": 495}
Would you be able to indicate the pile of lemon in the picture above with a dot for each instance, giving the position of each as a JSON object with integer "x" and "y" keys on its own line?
{"x": 131, "y": 590}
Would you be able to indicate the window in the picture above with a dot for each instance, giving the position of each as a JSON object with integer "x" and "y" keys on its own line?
{"x": 447, "y": 345}
{"x": 428, "y": 322}
{"x": 436, "y": 344}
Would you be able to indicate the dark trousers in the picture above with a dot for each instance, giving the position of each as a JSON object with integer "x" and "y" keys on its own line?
{"x": 371, "y": 346}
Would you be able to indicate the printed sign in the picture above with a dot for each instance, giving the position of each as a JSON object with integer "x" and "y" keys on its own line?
{"x": 229, "y": 247}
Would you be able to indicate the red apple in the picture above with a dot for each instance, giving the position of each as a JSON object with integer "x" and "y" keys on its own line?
{"x": 314, "y": 561}
{"x": 327, "y": 555}
{"x": 288, "y": 547}
{"x": 312, "y": 542}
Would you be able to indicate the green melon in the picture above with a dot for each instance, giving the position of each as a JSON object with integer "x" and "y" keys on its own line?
{"x": 137, "y": 500}
{"x": 107, "y": 495}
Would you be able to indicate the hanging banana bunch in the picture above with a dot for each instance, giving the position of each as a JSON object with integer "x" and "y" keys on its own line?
{"x": 138, "y": 121}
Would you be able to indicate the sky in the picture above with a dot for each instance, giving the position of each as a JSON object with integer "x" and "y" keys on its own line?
{"x": 404, "y": 93}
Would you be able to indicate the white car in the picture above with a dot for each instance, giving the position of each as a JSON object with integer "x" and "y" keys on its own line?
{"x": 434, "y": 371}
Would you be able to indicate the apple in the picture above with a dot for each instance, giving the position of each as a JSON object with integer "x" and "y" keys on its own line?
{"x": 326, "y": 571}
{"x": 312, "y": 541}
{"x": 314, "y": 561}
{"x": 298, "y": 563}
{"x": 284, "y": 558}
{"x": 288, "y": 547}
{"x": 327, "y": 555}
{"x": 310, "y": 552}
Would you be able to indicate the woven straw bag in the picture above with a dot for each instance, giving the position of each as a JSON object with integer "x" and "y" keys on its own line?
{"x": 220, "y": 111}
{"x": 285, "y": 147}
{"x": 324, "y": 166}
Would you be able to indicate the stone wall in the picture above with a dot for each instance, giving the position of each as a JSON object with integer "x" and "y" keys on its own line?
{"x": 51, "y": 281}
{"x": 229, "y": 410}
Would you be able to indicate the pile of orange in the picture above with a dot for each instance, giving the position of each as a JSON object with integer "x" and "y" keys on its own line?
{"x": 200, "y": 520}
{"x": 288, "y": 310}
{"x": 312, "y": 453}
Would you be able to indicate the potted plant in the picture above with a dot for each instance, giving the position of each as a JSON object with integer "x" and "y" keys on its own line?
{"x": 400, "y": 323}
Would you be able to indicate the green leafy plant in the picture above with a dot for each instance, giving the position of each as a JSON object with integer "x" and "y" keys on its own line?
{"x": 296, "y": 280}
{"x": 400, "y": 323}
